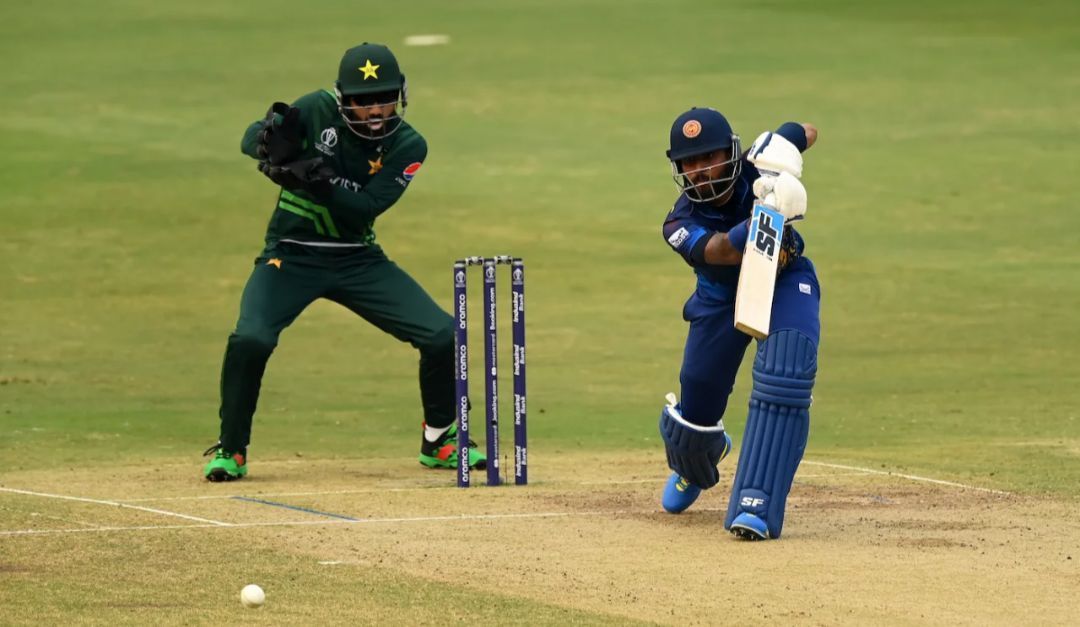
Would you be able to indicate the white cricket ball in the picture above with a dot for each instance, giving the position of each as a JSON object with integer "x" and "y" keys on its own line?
{"x": 252, "y": 596}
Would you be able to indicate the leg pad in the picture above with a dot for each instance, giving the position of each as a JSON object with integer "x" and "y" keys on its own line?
{"x": 776, "y": 428}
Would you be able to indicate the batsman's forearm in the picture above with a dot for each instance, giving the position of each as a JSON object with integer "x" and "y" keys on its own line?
{"x": 719, "y": 251}
{"x": 250, "y": 143}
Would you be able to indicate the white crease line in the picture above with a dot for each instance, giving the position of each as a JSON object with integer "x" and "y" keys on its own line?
{"x": 280, "y": 494}
{"x": 441, "y": 486}
{"x": 45, "y": 532}
{"x": 447, "y": 487}
{"x": 115, "y": 504}
{"x": 359, "y": 521}
{"x": 657, "y": 480}
{"x": 909, "y": 477}
{"x": 860, "y": 473}
{"x": 462, "y": 517}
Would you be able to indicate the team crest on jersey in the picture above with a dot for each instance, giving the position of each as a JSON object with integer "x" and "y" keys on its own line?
{"x": 411, "y": 170}
{"x": 327, "y": 141}
{"x": 691, "y": 129}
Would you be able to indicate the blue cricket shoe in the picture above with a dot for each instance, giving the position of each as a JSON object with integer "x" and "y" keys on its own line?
{"x": 747, "y": 526}
{"x": 679, "y": 493}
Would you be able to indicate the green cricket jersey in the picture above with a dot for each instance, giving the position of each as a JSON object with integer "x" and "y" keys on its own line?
{"x": 369, "y": 177}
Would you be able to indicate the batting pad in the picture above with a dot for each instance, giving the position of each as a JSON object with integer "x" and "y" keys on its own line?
{"x": 776, "y": 427}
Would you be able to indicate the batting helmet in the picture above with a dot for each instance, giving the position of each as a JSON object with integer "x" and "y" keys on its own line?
{"x": 700, "y": 131}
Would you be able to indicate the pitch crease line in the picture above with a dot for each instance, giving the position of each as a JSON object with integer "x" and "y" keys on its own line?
{"x": 356, "y": 521}
{"x": 856, "y": 470}
{"x": 909, "y": 477}
{"x": 116, "y": 504}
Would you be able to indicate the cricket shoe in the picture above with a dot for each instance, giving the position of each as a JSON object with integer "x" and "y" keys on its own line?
{"x": 443, "y": 452}
{"x": 747, "y": 526}
{"x": 679, "y": 493}
{"x": 225, "y": 466}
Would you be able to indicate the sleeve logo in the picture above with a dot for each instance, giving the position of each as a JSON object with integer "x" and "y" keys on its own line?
{"x": 327, "y": 140}
{"x": 678, "y": 237}
{"x": 329, "y": 136}
{"x": 411, "y": 170}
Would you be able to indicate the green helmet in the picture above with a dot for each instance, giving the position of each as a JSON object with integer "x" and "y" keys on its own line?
{"x": 369, "y": 77}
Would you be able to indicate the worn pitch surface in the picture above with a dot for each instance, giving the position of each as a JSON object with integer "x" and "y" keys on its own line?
{"x": 345, "y": 541}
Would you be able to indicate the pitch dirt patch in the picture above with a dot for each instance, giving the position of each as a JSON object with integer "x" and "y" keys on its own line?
{"x": 858, "y": 548}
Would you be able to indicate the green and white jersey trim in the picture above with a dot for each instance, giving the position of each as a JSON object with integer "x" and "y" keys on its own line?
{"x": 304, "y": 208}
{"x": 325, "y": 244}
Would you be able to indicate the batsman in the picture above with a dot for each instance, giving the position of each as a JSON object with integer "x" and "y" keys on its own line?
{"x": 338, "y": 159}
{"x": 709, "y": 226}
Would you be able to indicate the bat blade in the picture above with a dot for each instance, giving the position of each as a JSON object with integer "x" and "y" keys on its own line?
{"x": 757, "y": 278}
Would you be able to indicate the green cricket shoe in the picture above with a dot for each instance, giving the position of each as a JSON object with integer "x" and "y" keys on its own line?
{"x": 225, "y": 466}
{"x": 443, "y": 453}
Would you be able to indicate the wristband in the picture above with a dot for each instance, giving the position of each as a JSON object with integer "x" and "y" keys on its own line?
{"x": 738, "y": 234}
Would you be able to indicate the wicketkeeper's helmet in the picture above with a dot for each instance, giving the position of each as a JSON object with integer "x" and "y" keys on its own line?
{"x": 369, "y": 75}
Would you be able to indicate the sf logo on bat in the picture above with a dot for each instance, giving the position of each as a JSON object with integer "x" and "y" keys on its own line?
{"x": 765, "y": 231}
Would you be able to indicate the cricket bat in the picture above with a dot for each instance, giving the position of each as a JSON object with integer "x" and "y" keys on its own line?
{"x": 757, "y": 278}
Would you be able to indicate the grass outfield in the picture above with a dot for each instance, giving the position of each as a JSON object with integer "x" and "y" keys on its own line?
{"x": 939, "y": 222}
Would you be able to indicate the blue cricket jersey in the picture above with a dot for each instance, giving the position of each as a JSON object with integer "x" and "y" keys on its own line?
{"x": 689, "y": 224}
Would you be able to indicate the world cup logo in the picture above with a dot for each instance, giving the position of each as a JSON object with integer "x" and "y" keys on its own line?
{"x": 328, "y": 137}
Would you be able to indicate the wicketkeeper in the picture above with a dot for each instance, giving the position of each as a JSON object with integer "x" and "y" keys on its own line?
{"x": 708, "y": 227}
{"x": 340, "y": 158}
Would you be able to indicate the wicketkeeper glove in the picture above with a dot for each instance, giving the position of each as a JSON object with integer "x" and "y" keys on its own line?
{"x": 693, "y": 451}
{"x": 282, "y": 136}
{"x": 307, "y": 174}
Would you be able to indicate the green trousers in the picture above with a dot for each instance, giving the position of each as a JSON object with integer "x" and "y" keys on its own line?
{"x": 289, "y": 277}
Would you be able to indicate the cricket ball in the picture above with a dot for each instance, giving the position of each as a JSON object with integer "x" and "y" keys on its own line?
{"x": 252, "y": 596}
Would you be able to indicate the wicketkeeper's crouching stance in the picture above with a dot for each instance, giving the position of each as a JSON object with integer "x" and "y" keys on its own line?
{"x": 709, "y": 228}
{"x": 341, "y": 158}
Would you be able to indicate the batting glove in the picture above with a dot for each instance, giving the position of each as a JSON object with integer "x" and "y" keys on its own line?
{"x": 784, "y": 192}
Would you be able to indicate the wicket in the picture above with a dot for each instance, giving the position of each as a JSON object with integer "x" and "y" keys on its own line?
{"x": 491, "y": 368}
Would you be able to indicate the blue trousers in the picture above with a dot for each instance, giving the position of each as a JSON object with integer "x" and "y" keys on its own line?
{"x": 715, "y": 348}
